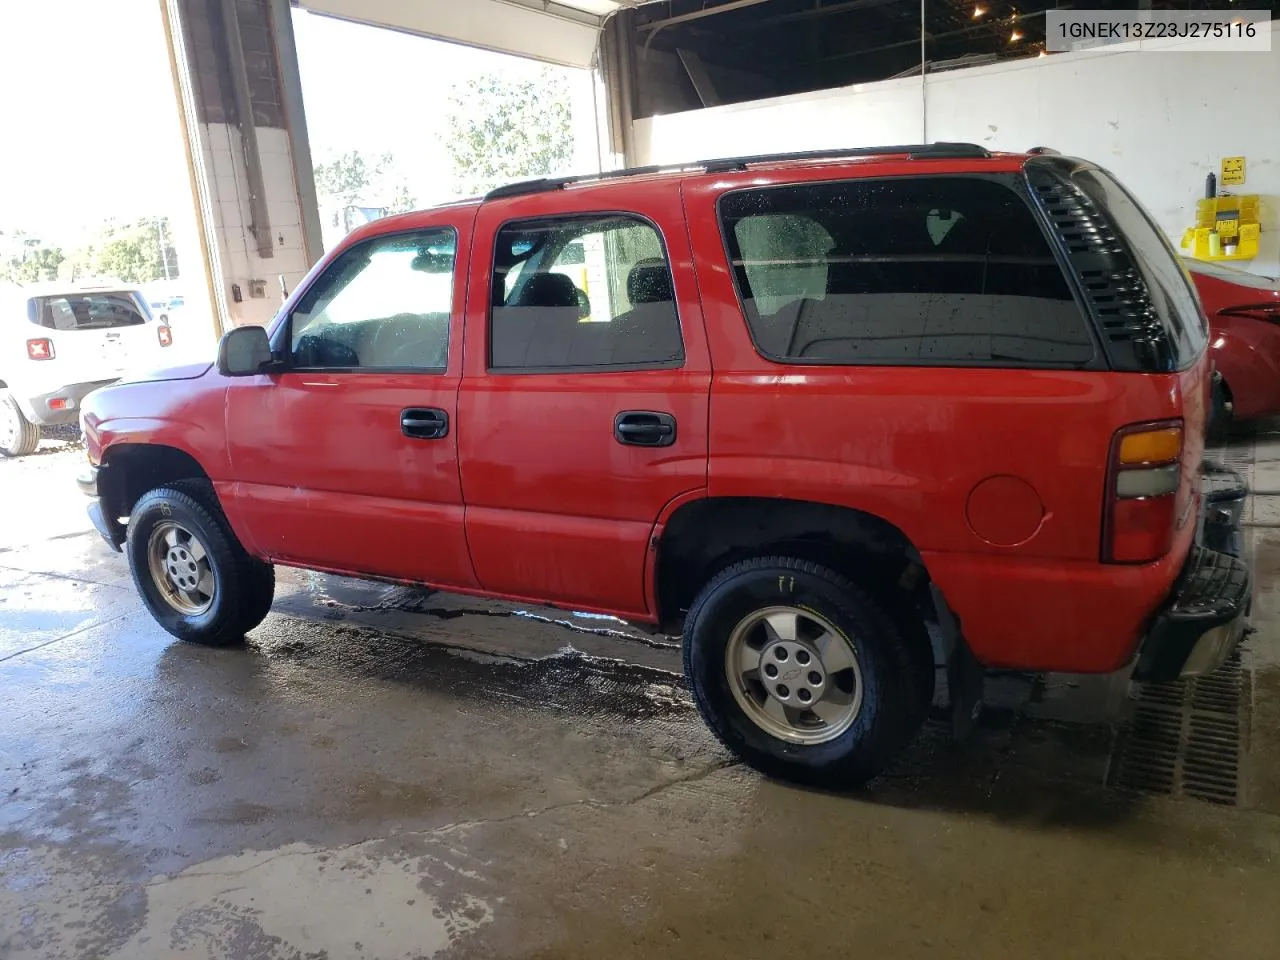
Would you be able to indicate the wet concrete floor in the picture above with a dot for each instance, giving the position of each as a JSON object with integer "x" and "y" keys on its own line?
{"x": 385, "y": 773}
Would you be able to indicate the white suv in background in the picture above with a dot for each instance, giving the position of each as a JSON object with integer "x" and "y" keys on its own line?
{"x": 58, "y": 343}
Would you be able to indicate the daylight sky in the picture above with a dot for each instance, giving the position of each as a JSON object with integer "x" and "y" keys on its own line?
{"x": 87, "y": 123}
{"x": 88, "y": 126}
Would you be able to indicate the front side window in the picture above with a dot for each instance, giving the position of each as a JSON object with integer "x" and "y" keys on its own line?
{"x": 591, "y": 292}
{"x": 929, "y": 270}
{"x": 383, "y": 304}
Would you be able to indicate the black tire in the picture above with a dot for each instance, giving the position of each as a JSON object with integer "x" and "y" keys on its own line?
{"x": 258, "y": 578}
{"x": 894, "y": 698}
{"x": 243, "y": 586}
{"x": 19, "y": 437}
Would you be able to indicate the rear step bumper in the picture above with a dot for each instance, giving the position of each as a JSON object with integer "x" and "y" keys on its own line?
{"x": 37, "y": 409}
{"x": 1203, "y": 618}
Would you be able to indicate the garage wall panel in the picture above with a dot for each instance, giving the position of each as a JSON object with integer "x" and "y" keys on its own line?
{"x": 1159, "y": 120}
{"x": 887, "y": 112}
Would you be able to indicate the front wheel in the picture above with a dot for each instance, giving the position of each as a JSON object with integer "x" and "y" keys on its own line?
{"x": 19, "y": 437}
{"x": 801, "y": 674}
{"x": 192, "y": 573}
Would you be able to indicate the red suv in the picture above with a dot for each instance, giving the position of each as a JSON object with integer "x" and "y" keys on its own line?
{"x": 836, "y": 418}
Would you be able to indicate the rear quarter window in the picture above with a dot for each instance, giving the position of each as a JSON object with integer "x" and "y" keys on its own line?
{"x": 1168, "y": 284}
{"x": 949, "y": 271}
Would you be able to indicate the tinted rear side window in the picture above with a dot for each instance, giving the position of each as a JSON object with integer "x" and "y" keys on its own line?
{"x": 582, "y": 293}
{"x": 89, "y": 311}
{"x": 1168, "y": 285}
{"x": 950, "y": 271}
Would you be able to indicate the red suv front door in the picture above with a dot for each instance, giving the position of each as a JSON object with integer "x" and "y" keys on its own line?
{"x": 347, "y": 460}
{"x": 583, "y": 408}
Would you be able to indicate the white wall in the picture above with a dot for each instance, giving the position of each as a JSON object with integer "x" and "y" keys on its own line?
{"x": 229, "y": 195}
{"x": 1159, "y": 120}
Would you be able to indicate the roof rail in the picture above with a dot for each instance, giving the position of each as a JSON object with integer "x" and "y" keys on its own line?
{"x": 917, "y": 151}
{"x": 543, "y": 184}
{"x": 1044, "y": 151}
{"x": 525, "y": 186}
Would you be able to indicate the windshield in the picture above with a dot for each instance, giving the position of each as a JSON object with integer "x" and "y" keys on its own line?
{"x": 89, "y": 311}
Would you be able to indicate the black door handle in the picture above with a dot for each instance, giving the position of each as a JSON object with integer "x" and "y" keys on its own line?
{"x": 424, "y": 423}
{"x": 644, "y": 428}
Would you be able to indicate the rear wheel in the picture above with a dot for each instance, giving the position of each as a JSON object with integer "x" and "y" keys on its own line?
{"x": 18, "y": 435}
{"x": 194, "y": 576}
{"x": 801, "y": 673}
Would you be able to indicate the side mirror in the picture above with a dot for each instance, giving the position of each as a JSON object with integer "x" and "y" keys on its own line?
{"x": 244, "y": 352}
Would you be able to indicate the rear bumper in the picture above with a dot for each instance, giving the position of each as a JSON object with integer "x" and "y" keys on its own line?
{"x": 1203, "y": 618}
{"x": 37, "y": 408}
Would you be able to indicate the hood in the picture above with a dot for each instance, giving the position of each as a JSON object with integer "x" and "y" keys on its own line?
{"x": 1234, "y": 276}
{"x": 185, "y": 371}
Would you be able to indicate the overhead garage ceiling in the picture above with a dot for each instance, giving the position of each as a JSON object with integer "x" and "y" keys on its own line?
{"x": 558, "y": 31}
{"x": 695, "y": 53}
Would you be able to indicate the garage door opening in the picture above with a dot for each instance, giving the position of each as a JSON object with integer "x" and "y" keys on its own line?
{"x": 431, "y": 121}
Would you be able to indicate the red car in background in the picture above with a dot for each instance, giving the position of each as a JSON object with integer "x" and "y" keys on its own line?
{"x": 1244, "y": 317}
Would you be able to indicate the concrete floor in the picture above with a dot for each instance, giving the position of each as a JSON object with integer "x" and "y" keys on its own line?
{"x": 387, "y": 774}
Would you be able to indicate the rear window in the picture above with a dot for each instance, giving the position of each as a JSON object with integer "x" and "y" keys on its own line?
{"x": 951, "y": 271}
{"x": 88, "y": 311}
{"x": 1168, "y": 284}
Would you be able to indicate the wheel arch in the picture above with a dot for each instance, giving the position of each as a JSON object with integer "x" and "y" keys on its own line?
{"x": 132, "y": 469}
{"x": 703, "y": 536}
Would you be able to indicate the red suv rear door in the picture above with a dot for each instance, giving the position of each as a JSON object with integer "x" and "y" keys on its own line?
{"x": 583, "y": 409}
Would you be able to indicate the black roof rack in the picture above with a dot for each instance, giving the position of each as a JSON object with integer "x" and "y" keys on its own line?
{"x": 543, "y": 184}
{"x": 916, "y": 151}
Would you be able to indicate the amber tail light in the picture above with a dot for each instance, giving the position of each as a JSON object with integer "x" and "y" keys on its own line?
{"x": 1143, "y": 478}
{"x": 165, "y": 334}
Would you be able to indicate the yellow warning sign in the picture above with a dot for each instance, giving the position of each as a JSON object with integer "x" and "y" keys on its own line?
{"x": 1232, "y": 171}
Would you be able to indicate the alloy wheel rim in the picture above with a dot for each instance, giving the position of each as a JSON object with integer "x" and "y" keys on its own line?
{"x": 794, "y": 674}
{"x": 179, "y": 566}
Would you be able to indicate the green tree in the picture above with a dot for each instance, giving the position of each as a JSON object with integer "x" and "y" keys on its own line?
{"x": 352, "y": 179}
{"x": 502, "y": 130}
{"x": 137, "y": 252}
{"x": 34, "y": 264}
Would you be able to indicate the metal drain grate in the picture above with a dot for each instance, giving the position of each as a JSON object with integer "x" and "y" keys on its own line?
{"x": 1238, "y": 455}
{"x": 1185, "y": 737}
